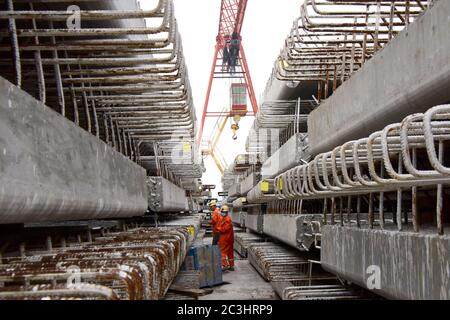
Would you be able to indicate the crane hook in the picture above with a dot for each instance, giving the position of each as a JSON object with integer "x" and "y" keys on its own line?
{"x": 235, "y": 128}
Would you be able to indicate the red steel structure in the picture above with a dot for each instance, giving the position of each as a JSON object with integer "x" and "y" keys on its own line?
{"x": 232, "y": 15}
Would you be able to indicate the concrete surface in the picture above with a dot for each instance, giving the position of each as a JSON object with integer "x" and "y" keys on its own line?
{"x": 51, "y": 169}
{"x": 244, "y": 284}
{"x": 376, "y": 96}
{"x": 282, "y": 227}
{"x": 279, "y": 90}
{"x": 243, "y": 218}
{"x": 248, "y": 183}
{"x": 164, "y": 196}
{"x": 235, "y": 216}
{"x": 294, "y": 230}
{"x": 411, "y": 265}
{"x": 235, "y": 190}
{"x": 191, "y": 220}
{"x": 288, "y": 156}
{"x": 254, "y": 222}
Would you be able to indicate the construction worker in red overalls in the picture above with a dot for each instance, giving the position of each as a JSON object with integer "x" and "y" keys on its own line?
{"x": 215, "y": 218}
{"x": 226, "y": 241}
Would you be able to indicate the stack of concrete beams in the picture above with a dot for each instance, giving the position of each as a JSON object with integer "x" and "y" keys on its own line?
{"x": 325, "y": 292}
{"x": 110, "y": 73}
{"x": 243, "y": 240}
{"x": 139, "y": 264}
{"x": 418, "y": 64}
{"x": 408, "y": 73}
{"x": 276, "y": 263}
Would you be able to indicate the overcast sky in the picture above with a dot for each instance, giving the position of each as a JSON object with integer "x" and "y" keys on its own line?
{"x": 266, "y": 25}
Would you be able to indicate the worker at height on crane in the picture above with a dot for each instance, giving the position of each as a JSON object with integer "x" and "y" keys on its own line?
{"x": 234, "y": 51}
{"x": 226, "y": 63}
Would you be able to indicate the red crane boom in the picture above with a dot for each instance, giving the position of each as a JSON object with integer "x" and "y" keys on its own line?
{"x": 232, "y": 14}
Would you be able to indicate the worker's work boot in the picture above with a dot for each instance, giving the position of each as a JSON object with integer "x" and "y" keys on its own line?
{"x": 225, "y": 269}
{"x": 231, "y": 269}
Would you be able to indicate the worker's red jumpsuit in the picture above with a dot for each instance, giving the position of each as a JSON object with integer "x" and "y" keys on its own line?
{"x": 216, "y": 217}
{"x": 226, "y": 241}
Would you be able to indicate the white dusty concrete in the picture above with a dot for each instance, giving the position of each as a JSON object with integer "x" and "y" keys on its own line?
{"x": 53, "y": 170}
{"x": 244, "y": 284}
{"x": 411, "y": 265}
{"x": 370, "y": 100}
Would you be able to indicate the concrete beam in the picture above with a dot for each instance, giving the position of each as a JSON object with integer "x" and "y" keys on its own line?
{"x": 164, "y": 196}
{"x": 235, "y": 190}
{"x": 282, "y": 227}
{"x": 186, "y": 221}
{"x": 294, "y": 230}
{"x": 243, "y": 218}
{"x": 412, "y": 265}
{"x": 255, "y": 222}
{"x": 248, "y": 183}
{"x": 288, "y": 90}
{"x": 52, "y": 170}
{"x": 236, "y": 216}
{"x": 288, "y": 156}
{"x": 411, "y": 74}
